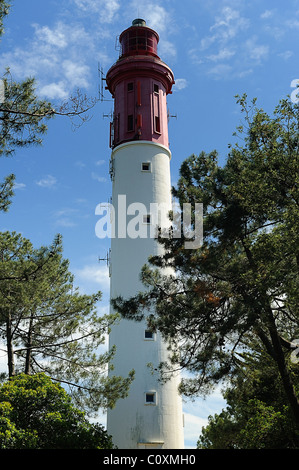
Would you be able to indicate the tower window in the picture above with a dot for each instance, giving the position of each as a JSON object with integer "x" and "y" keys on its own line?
{"x": 130, "y": 122}
{"x": 146, "y": 166}
{"x": 130, "y": 86}
{"x": 148, "y": 334}
{"x": 157, "y": 124}
{"x": 156, "y": 109}
{"x": 150, "y": 398}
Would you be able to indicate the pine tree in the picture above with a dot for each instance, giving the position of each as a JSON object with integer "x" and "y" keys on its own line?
{"x": 48, "y": 326}
{"x": 244, "y": 277}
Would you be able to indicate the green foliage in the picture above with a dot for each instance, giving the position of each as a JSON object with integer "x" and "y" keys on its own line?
{"x": 35, "y": 413}
{"x": 49, "y": 326}
{"x": 22, "y": 115}
{"x": 257, "y": 416}
{"x": 4, "y": 10}
{"x": 243, "y": 280}
{"x": 6, "y": 192}
{"x": 220, "y": 433}
{"x": 265, "y": 428}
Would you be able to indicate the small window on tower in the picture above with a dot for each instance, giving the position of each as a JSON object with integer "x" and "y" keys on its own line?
{"x": 150, "y": 398}
{"x": 157, "y": 124}
{"x": 130, "y": 123}
{"x": 156, "y": 88}
{"x": 130, "y": 86}
{"x": 146, "y": 166}
{"x": 148, "y": 334}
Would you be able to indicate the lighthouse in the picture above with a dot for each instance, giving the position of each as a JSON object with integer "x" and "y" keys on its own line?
{"x": 151, "y": 416}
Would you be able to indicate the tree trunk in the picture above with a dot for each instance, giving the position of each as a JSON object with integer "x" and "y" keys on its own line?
{"x": 9, "y": 343}
{"x": 276, "y": 346}
{"x": 283, "y": 369}
{"x": 29, "y": 347}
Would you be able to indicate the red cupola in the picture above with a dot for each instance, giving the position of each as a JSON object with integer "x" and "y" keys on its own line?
{"x": 139, "y": 40}
{"x": 139, "y": 83}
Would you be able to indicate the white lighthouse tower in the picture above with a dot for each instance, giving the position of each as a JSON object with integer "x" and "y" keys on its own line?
{"x": 151, "y": 416}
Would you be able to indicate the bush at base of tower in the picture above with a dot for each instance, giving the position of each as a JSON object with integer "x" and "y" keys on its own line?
{"x": 36, "y": 413}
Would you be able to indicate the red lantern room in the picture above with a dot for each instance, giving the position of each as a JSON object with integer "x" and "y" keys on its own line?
{"x": 139, "y": 83}
{"x": 138, "y": 39}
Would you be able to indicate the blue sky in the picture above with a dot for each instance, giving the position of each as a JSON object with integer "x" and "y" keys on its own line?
{"x": 217, "y": 49}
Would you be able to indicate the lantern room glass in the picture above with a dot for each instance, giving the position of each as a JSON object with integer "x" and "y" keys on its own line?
{"x": 139, "y": 41}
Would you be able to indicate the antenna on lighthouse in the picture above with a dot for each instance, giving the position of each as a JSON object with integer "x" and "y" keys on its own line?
{"x": 107, "y": 258}
{"x": 110, "y": 115}
{"x": 101, "y": 84}
{"x": 171, "y": 115}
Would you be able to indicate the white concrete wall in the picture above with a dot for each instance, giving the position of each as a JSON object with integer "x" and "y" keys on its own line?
{"x": 132, "y": 423}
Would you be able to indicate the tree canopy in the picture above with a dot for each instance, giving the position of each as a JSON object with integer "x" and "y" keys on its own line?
{"x": 4, "y": 10}
{"x": 47, "y": 325}
{"x": 243, "y": 280}
{"x": 36, "y": 413}
{"x": 257, "y": 415}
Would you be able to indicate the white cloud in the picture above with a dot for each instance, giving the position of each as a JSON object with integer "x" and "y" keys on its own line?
{"x": 81, "y": 201}
{"x": 286, "y": 55}
{"x": 158, "y": 18}
{"x": 65, "y": 222}
{"x": 221, "y": 71}
{"x": 60, "y": 36}
{"x": 257, "y": 52}
{"x": 195, "y": 56}
{"x": 226, "y": 27}
{"x": 293, "y": 23}
{"x": 75, "y": 74}
{"x": 54, "y": 90}
{"x": 106, "y": 9}
{"x": 180, "y": 84}
{"x": 80, "y": 164}
{"x": 95, "y": 276}
{"x": 65, "y": 212}
{"x": 223, "y": 54}
{"x": 55, "y": 37}
{"x": 48, "y": 182}
{"x": 19, "y": 186}
{"x": 100, "y": 162}
{"x": 196, "y": 413}
{"x": 100, "y": 179}
{"x": 85, "y": 4}
{"x": 227, "y": 51}
{"x": 3, "y": 358}
{"x": 267, "y": 14}
{"x": 109, "y": 9}
{"x": 69, "y": 216}
{"x": 276, "y": 31}
{"x": 167, "y": 49}
{"x": 61, "y": 55}
{"x": 193, "y": 427}
{"x": 245, "y": 73}
{"x": 57, "y": 56}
